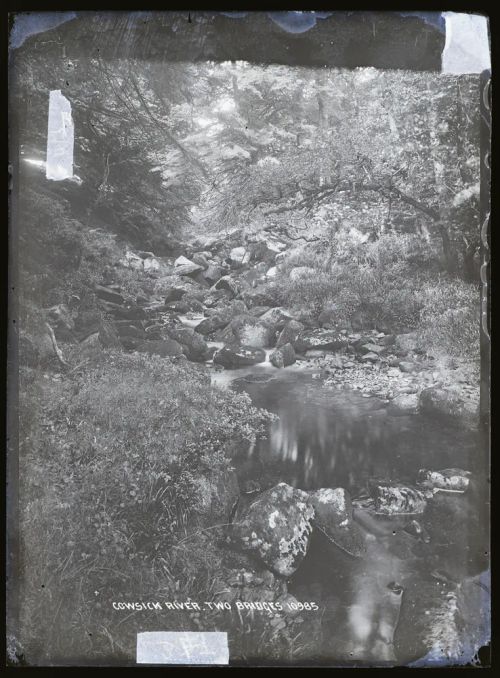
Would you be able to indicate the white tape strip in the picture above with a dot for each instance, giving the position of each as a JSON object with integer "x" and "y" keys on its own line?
{"x": 467, "y": 48}
{"x": 182, "y": 647}
{"x": 60, "y": 138}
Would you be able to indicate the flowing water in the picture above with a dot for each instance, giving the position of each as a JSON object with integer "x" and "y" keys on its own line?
{"x": 398, "y": 601}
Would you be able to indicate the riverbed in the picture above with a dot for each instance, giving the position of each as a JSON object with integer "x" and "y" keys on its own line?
{"x": 399, "y": 601}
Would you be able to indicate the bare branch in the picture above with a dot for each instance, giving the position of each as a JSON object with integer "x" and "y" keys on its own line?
{"x": 166, "y": 131}
{"x": 56, "y": 348}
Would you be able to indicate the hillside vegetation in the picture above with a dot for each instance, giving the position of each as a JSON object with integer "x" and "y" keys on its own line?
{"x": 345, "y": 200}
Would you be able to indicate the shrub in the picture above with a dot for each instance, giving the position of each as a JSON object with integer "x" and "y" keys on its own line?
{"x": 450, "y": 319}
{"x": 114, "y": 474}
{"x": 379, "y": 281}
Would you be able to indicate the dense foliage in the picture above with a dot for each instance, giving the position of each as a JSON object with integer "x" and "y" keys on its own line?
{"x": 370, "y": 179}
{"x": 134, "y": 449}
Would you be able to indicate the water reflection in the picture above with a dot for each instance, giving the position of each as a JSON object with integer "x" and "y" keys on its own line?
{"x": 382, "y": 607}
{"x": 328, "y": 438}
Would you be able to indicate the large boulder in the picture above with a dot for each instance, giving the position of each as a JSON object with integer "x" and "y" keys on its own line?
{"x": 201, "y": 258}
{"x": 184, "y": 266}
{"x": 262, "y": 251}
{"x": 196, "y": 346}
{"x": 405, "y": 403}
{"x": 276, "y": 318}
{"x": 233, "y": 357}
{"x": 397, "y": 499}
{"x": 174, "y": 294}
{"x": 251, "y": 331}
{"x": 448, "y": 403}
{"x": 283, "y": 356}
{"x": 259, "y": 296}
{"x": 212, "y": 243}
{"x": 333, "y": 517}
{"x": 329, "y": 340}
{"x": 165, "y": 348}
{"x": 290, "y": 333}
{"x": 451, "y": 479}
{"x": 199, "y": 278}
{"x": 277, "y": 527}
{"x": 226, "y": 336}
{"x": 215, "y": 322}
{"x": 239, "y": 256}
{"x": 212, "y": 324}
{"x": 237, "y": 307}
{"x": 214, "y": 297}
{"x": 233, "y": 308}
{"x": 227, "y": 283}
{"x": 212, "y": 273}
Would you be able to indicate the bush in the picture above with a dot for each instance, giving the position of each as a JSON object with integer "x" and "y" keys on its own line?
{"x": 450, "y": 319}
{"x": 115, "y": 473}
{"x": 379, "y": 282}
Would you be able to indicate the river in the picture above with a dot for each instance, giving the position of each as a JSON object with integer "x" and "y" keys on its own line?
{"x": 399, "y": 601}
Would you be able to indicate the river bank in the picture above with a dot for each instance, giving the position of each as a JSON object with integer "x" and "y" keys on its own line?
{"x": 271, "y": 396}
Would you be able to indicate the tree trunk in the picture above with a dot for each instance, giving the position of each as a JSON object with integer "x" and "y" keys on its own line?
{"x": 470, "y": 268}
{"x": 450, "y": 255}
{"x": 449, "y": 252}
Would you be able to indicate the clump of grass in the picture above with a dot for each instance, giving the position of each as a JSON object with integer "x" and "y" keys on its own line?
{"x": 392, "y": 283}
{"x": 121, "y": 464}
{"x": 450, "y": 320}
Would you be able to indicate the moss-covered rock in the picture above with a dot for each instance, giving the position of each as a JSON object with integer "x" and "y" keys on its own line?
{"x": 277, "y": 527}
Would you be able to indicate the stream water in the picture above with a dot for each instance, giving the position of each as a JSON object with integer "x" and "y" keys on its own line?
{"x": 397, "y": 602}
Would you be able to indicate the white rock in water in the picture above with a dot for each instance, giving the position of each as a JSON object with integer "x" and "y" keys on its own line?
{"x": 60, "y": 138}
{"x": 272, "y": 272}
